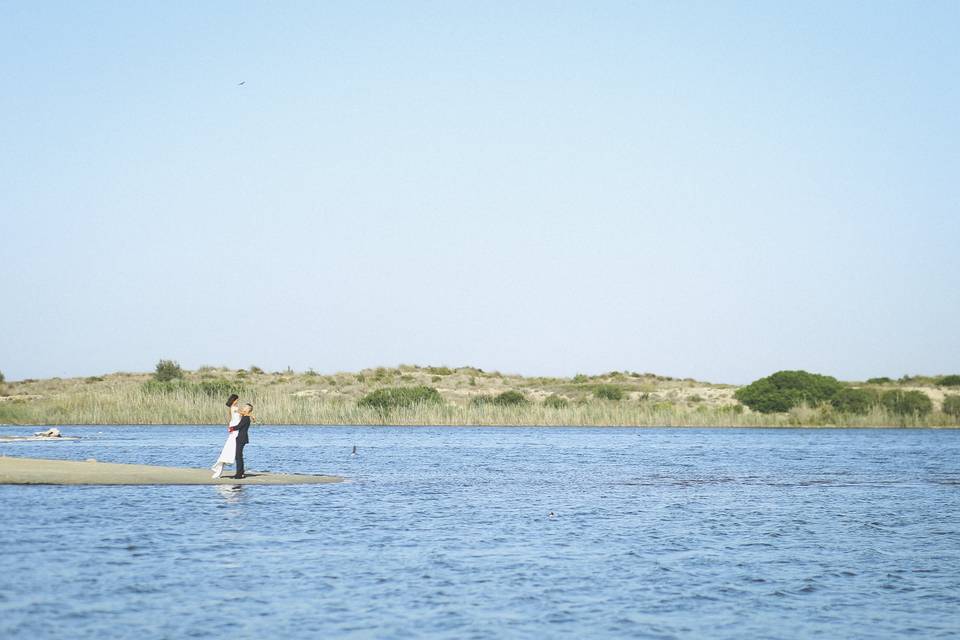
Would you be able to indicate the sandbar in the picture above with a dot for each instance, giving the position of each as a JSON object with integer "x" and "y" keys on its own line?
{"x": 15, "y": 470}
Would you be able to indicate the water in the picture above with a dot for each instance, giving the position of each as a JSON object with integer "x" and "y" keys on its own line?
{"x": 447, "y": 533}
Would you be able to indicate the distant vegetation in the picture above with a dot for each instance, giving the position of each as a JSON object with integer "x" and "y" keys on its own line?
{"x": 906, "y": 403}
{"x": 442, "y": 395}
{"x": 951, "y": 406}
{"x": 211, "y": 388}
{"x": 785, "y": 390}
{"x": 400, "y": 398}
{"x": 608, "y": 392}
{"x": 167, "y": 370}
{"x": 855, "y": 401}
{"x": 505, "y": 399}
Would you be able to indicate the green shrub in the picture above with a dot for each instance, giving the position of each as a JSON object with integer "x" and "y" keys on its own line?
{"x": 92, "y": 379}
{"x": 167, "y": 370}
{"x": 580, "y": 378}
{"x": 211, "y": 388}
{"x": 507, "y": 398}
{"x": 439, "y": 371}
{"x": 400, "y": 397}
{"x": 785, "y": 390}
{"x": 882, "y": 380}
{"x": 950, "y": 381}
{"x": 907, "y": 403}
{"x": 858, "y": 401}
{"x": 555, "y": 402}
{"x": 735, "y": 409}
{"x": 166, "y": 386}
{"x": 951, "y": 406}
{"x": 481, "y": 400}
{"x": 2, "y": 379}
{"x": 608, "y": 392}
{"x": 219, "y": 387}
{"x": 255, "y": 369}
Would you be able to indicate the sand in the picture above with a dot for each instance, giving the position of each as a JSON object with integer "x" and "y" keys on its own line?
{"x": 42, "y": 471}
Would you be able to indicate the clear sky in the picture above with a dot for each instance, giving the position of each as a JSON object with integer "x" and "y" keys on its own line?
{"x": 705, "y": 189}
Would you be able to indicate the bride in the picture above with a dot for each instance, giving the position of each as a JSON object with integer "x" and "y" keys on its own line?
{"x": 229, "y": 452}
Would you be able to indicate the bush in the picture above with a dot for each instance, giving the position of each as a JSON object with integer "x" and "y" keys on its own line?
{"x": 439, "y": 371}
{"x": 858, "y": 401}
{"x": 580, "y": 378}
{"x": 907, "y": 403}
{"x": 167, "y": 370}
{"x": 951, "y": 406}
{"x": 400, "y": 397}
{"x": 608, "y": 392}
{"x": 505, "y": 399}
{"x": 945, "y": 381}
{"x": 508, "y": 398}
{"x": 555, "y": 402}
{"x": 735, "y": 409}
{"x": 211, "y": 388}
{"x": 785, "y": 390}
{"x": 255, "y": 369}
{"x": 220, "y": 387}
{"x": 166, "y": 386}
{"x": 883, "y": 380}
{"x": 2, "y": 379}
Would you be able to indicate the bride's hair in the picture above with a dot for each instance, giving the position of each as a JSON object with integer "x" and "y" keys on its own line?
{"x": 233, "y": 398}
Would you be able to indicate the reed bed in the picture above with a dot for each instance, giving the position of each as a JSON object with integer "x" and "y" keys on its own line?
{"x": 135, "y": 404}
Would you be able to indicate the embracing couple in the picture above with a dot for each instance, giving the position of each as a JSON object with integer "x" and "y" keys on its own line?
{"x": 240, "y": 417}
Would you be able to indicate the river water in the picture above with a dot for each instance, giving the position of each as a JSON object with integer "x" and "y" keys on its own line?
{"x": 495, "y": 533}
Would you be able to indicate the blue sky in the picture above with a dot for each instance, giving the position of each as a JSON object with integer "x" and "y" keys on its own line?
{"x": 714, "y": 190}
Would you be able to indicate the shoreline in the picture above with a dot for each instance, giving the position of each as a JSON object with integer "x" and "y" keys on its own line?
{"x": 19, "y": 470}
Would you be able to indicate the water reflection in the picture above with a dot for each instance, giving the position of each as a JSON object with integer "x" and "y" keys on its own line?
{"x": 231, "y": 493}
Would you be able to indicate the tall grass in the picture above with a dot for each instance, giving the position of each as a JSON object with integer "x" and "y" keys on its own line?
{"x": 139, "y": 404}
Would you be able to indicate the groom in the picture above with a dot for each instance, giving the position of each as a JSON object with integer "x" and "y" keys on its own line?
{"x": 242, "y": 439}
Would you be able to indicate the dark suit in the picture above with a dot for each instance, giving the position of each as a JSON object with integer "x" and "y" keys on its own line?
{"x": 242, "y": 438}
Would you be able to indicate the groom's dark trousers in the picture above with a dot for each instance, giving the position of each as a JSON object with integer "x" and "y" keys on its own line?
{"x": 240, "y": 457}
{"x": 242, "y": 440}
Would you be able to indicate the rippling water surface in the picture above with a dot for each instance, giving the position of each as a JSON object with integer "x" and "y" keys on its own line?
{"x": 447, "y": 532}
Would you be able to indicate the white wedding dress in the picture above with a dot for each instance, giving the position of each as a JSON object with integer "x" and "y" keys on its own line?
{"x": 228, "y": 454}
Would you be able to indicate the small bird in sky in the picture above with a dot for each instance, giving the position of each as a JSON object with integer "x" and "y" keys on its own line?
{"x": 240, "y": 84}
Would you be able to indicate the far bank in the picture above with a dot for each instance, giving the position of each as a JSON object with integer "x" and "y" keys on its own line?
{"x": 440, "y": 396}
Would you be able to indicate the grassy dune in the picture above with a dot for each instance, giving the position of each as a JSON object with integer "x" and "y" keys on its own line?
{"x": 310, "y": 398}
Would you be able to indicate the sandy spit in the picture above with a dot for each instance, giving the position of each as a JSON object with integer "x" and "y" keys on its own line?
{"x": 41, "y": 471}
